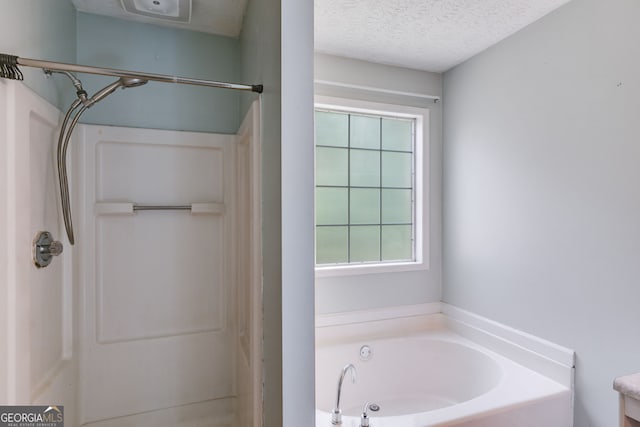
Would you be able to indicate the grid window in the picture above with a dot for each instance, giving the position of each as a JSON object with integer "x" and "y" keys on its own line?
{"x": 365, "y": 209}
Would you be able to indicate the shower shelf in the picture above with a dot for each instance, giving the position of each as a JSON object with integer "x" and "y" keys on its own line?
{"x": 129, "y": 208}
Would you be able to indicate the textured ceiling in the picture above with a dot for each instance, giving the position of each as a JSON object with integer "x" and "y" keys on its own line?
{"x": 432, "y": 35}
{"x": 222, "y": 17}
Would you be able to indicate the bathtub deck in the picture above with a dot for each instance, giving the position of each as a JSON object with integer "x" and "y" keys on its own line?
{"x": 519, "y": 396}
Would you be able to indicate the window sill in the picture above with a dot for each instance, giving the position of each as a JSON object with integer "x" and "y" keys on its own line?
{"x": 352, "y": 270}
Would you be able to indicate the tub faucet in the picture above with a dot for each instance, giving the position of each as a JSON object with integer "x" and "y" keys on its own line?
{"x": 364, "y": 418}
{"x": 336, "y": 415}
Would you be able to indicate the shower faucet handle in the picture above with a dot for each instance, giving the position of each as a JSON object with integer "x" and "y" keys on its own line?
{"x": 45, "y": 248}
{"x": 55, "y": 248}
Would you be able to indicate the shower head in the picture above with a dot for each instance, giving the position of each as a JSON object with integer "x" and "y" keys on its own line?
{"x": 133, "y": 82}
{"x": 78, "y": 107}
{"x": 123, "y": 82}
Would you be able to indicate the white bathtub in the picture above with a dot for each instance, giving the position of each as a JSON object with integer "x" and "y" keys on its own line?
{"x": 436, "y": 378}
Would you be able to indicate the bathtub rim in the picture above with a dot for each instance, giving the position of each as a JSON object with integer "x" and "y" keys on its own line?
{"x": 452, "y": 342}
{"x": 542, "y": 356}
{"x": 507, "y": 396}
{"x": 552, "y": 361}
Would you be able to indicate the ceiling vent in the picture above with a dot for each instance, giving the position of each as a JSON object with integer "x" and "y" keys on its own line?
{"x": 167, "y": 10}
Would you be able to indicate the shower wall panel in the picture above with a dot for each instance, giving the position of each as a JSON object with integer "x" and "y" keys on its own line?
{"x": 4, "y": 249}
{"x": 39, "y": 361}
{"x": 158, "y": 328}
{"x": 248, "y": 278}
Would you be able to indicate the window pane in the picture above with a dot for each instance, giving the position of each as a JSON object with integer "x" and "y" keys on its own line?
{"x": 396, "y": 243}
{"x": 364, "y": 188}
{"x": 365, "y": 243}
{"x": 332, "y": 245}
{"x": 396, "y": 206}
{"x": 396, "y": 170}
{"x": 365, "y": 132}
{"x": 332, "y": 206}
{"x": 332, "y": 129}
{"x": 365, "y": 206}
{"x": 397, "y": 134}
{"x": 365, "y": 168}
{"x": 332, "y": 166}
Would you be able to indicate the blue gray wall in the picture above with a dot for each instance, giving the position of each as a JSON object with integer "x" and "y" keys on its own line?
{"x": 260, "y": 59}
{"x": 53, "y": 30}
{"x": 298, "y": 248}
{"x": 113, "y": 43}
{"x": 277, "y": 50}
{"x": 40, "y": 29}
{"x": 542, "y": 190}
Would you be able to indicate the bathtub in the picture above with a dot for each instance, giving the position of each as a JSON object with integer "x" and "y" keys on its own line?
{"x": 435, "y": 377}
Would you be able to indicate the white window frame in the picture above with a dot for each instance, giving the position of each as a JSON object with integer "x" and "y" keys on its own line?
{"x": 421, "y": 189}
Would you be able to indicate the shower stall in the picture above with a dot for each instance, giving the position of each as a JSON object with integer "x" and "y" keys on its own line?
{"x": 149, "y": 314}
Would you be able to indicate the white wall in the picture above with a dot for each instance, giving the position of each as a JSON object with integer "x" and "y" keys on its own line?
{"x": 40, "y": 29}
{"x": 276, "y": 50}
{"x": 360, "y": 292}
{"x": 542, "y": 190}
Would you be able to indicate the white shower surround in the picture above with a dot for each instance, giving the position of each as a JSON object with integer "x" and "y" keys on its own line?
{"x": 436, "y": 365}
{"x": 431, "y": 35}
{"x": 187, "y": 307}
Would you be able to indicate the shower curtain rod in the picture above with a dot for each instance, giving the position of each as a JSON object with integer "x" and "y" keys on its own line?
{"x": 61, "y": 66}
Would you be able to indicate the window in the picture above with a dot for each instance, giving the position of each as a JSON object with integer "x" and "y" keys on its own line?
{"x": 367, "y": 192}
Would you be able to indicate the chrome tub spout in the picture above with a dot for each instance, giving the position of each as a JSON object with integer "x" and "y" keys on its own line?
{"x": 336, "y": 415}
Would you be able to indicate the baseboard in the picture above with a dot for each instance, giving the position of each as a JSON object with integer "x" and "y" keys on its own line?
{"x": 374, "y": 314}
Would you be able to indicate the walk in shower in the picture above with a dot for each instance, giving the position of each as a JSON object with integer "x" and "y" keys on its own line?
{"x": 153, "y": 316}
